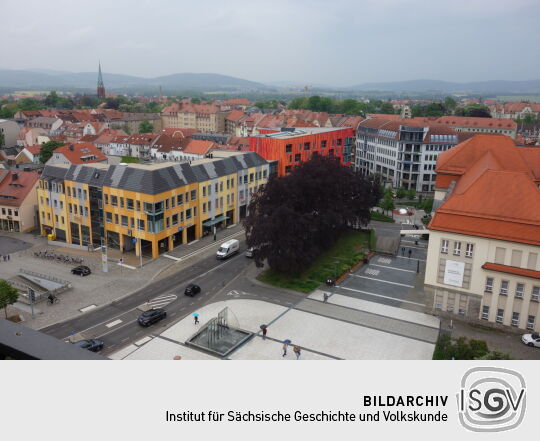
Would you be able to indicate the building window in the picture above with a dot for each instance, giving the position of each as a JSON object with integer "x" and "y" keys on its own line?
{"x": 297, "y": 157}
{"x": 457, "y": 248}
{"x": 173, "y": 202}
{"x": 168, "y": 222}
{"x": 180, "y": 199}
{"x": 500, "y": 315}
{"x": 535, "y": 293}
{"x": 138, "y": 205}
{"x": 116, "y": 219}
{"x": 288, "y": 169}
{"x": 444, "y": 246}
{"x": 167, "y": 204}
{"x": 129, "y": 204}
{"x": 530, "y": 322}
{"x": 232, "y": 182}
{"x": 288, "y": 148}
{"x": 121, "y": 202}
{"x": 307, "y": 145}
{"x": 114, "y": 201}
{"x": 188, "y": 213}
{"x": 520, "y": 288}
{"x": 515, "y": 319}
{"x": 108, "y": 217}
{"x": 175, "y": 219}
{"x": 504, "y": 288}
{"x": 194, "y": 193}
{"x": 204, "y": 191}
{"x": 485, "y": 312}
{"x": 489, "y": 284}
{"x": 469, "y": 250}
{"x": 323, "y": 144}
{"x": 204, "y": 207}
{"x": 106, "y": 199}
{"x": 140, "y": 224}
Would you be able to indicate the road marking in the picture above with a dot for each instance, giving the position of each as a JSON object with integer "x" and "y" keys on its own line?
{"x": 385, "y": 260}
{"x": 231, "y": 226}
{"x": 88, "y": 308}
{"x": 126, "y": 266}
{"x": 172, "y": 257}
{"x": 384, "y": 297}
{"x": 142, "y": 341}
{"x": 116, "y": 322}
{"x": 384, "y": 281}
{"x": 125, "y": 339}
{"x": 193, "y": 241}
{"x": 413, "y": 258}
{"x": 373, "y": 272}
{"x": 391, "y": 267}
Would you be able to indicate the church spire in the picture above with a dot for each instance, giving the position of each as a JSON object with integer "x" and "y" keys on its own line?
{"x": 100, "y": 85}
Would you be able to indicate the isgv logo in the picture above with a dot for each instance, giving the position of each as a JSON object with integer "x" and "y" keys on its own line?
{"x": 491, "y": 399}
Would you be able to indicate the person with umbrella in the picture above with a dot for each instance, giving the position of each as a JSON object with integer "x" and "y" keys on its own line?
{"x": 264, "y": 331}
{"x": 286, "y": 343}
{"x": 196, "y": 317}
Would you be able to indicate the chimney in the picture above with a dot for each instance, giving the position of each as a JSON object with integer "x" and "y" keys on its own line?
{"x": 14, "y": 176}
{"x": 71, "y": 147}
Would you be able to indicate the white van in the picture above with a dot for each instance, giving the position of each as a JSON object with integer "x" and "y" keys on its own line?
{"x": 228, "y": 248}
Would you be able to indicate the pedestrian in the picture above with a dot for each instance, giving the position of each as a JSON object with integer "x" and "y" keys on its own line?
{"x": 264, "y": 333}
{"x": 8, "y": 257}
{"x": 325, "y": 298}
{"x": 297, "y": 352}
{"x": 402, "y": 251}
{"x": 196, "y": 317}
{"x": 410, "y": 252}
{"x": 284, "y": 349}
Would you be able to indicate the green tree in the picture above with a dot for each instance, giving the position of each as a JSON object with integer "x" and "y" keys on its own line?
{"x": 427, "y": 205}
{"x": 450, "y": 104}
{"x": 47, "y": 149}
{"x": 474, "y": 110}
{"x": 8, "y": 295}
{"x": 196, "y": 100}
{"x": 386, "y": 107}
{"x": 145, "y": 127}
{"x": 387, "y": 203}
{"x": 411, "y": 194}
{"x": 460, "y": 349}
{"x": 51, "y": 100}
{"x": 401, "y": 193}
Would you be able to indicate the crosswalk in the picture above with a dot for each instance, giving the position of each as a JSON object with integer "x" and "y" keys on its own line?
{"x": 163, "y": 300}
{"x": 384, "y": 260}
{"x": 372, "y": 271}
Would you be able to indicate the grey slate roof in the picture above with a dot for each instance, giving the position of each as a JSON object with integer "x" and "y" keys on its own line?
{"x": 153, "y": 180}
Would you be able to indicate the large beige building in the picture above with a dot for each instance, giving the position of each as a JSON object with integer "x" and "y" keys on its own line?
{"x": 203, "y": 117}
{"x": 483, "y": 260}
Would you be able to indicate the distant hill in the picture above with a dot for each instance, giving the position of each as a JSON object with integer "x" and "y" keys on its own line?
{"x": 42, "y": 79}
{"x": 492, "y": 86}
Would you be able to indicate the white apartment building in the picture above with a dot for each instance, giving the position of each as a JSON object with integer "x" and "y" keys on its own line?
{"x": 403, "y": 152}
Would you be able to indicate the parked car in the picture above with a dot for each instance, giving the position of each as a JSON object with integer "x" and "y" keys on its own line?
{"x": 249, "y": 252}
{"x": 531, "y": 339}
{"x": 192, "y": 289}
{"x": 228, "y": 248}
{"x": 81, "y": 270}
{"x": 92, "y": 344}
{"x": 152, "y": 316}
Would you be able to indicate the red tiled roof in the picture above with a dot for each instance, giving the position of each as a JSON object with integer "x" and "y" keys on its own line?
{"x": 198, "y": 147}
{"x": 75, "y": 152}
{"x": 14, "y": 191}
{"x": 235, "y": 115}
{"x": 178, "y": 132}
{"x": 142, "y": 138}
{"x": 486, "y": 123}
{"x": 238, "y": 102}
{"x": 511, "y": 270}
{"x": 392, "y": 117}
{"x": 502, "y": 205}
{"x": 34, "y": 149}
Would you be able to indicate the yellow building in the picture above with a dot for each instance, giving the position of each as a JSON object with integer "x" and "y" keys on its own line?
{"x": 156, "y": 207}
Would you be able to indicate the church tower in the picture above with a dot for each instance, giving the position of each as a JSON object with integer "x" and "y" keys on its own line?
{"x": 100, "y": 85}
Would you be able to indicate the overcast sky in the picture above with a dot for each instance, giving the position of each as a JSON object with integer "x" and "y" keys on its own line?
{"x": 335, "y": 42}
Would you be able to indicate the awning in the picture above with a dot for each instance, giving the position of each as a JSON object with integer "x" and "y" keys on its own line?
{"x": 215, "y": 221}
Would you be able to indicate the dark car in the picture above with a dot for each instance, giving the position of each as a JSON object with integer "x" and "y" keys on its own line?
{"x": 192, "y": 289}
{"x": 93, "y": 344}
{"x": 81, "y": 270}
{"x": 152, "y": 316}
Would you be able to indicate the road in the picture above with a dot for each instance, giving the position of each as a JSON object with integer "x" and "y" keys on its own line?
{"x": 116, "y": 324}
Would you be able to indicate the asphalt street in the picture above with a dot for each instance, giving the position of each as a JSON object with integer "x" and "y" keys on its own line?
{"x": 116, "y": 324}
